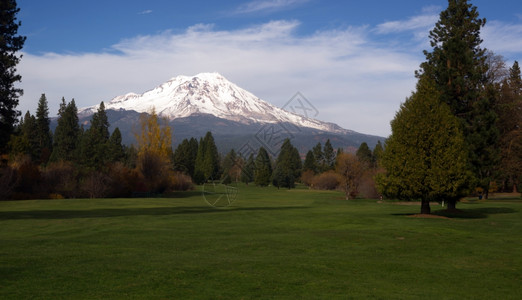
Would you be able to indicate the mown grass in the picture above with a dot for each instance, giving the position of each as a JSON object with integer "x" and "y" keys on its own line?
{"x": 270, "y": 243}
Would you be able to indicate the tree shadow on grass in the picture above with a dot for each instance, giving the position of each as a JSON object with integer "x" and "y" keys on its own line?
{"x": 123, "y": 212}
{"x": 473, "y": 213}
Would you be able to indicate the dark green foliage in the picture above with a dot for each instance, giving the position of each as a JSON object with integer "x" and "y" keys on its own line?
{"x": 10, "y": 44}
{"x": 263, "y": 168}
{"x": 207, "y": 160}
{"x": 25, "y": 140}
{"x": 364, "y": 154}
{"x": 377, "y": 153}
{"x": 248, "y": 169}
{"x": 309, "y": 163}
{"x": 116, "y": 151}
{"x": 288, "y": 166}
{"x": 185, "y": 155}
{"x": 329, "y": 156}
{"x": 43, "y": 129}
{"x": 457, "y": 65}
{"x": 509, "y": 110}
{"x": 319, "y": 157}
{"x": 230, "y": 168}
{"x": 67, "y": 133}
{"x": 425, "y": 157}
{"x": 95, "y": 141}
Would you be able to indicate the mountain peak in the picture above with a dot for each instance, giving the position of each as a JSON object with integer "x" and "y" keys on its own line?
{"x": 208, "y": 93}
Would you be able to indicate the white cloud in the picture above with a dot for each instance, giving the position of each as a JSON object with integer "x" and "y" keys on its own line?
{"x": 421, "y": 22}
{"x": 145, "y": 12}
{"x": 503, "y": 38}
{"x": 267, "y": 5}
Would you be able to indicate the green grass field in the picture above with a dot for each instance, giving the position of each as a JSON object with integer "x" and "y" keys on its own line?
{"x": 270, "y": 243}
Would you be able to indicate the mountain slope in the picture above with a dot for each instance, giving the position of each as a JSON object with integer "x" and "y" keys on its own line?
{"x": 212, "y": 94}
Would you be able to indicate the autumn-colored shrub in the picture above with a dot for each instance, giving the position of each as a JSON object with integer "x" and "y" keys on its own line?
{"x": 7, "y": 180}
{"x": 326, "y": 181}
{"x": 307, "y": 177}
{"x": 181, "y": 182}
{"x": 61, "y": 178}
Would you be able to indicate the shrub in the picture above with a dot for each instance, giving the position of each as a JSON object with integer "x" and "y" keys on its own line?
{"x": 307, "y": 177}
{"x": 7, "y": 180}
{"x": 326, "y": 181}
{"x": 181, "y": 182}
{"x": 61, "y": 178}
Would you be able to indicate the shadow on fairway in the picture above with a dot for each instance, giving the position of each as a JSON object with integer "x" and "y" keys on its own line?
{"x": 473, "y": 213}
{"x": 123, "y": 212}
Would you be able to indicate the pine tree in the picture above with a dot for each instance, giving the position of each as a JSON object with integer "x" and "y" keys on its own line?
{"x": 377, "y": 154}
{"x": 45, "y": 142}
{"x": 10, "y": 44}
{"x": 310, "y": 163}
{"x": 24, "y": 140}
{"x": 425, "y": 157}
{"x": 329, "y": 156}
{"x": 67, "y": 133}
{"x": 248, "y": 169}
{"x": 230, "y": 167}
{"x": 319, "y": 157}
{"x": 509, "y": 109}
{"x": 116, "y": 152}
{"x": 457, "y": 64}
{"x": 288, "y": 166}
{"x": 199, "y": 173}
{"x": 364, "y": 154}
{"x": 263, "y": 168}
{"x": 211, "y": 158}
{"x": 95, "y": 141}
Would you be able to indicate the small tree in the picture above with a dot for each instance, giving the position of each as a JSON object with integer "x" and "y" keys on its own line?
{"x": 288, "y": 166}
{"x": 248, "y": 169}
{"x": 351, "y": 170}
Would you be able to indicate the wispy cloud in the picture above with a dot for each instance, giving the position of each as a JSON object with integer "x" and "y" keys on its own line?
{"x": 145, "y": 12}
{"x": 267, "y": 5}
{"x": 423, "y": 22}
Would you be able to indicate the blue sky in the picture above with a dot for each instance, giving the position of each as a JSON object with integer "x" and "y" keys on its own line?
{"x": 354, "y": 60}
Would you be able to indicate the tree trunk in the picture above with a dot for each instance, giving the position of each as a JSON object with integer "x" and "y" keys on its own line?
{"x": 425, "y": 207}
{"x": 452, "y": 204}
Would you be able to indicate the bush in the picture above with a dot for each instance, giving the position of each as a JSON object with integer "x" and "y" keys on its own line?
{"x": 61, "y": 178}
{"x": 7, "y": 180}
{"x": 181, "y": 182}
{"x": 96, "y": 184}
{"x": 307, "y": 177}
{"x": 326, "y": 181}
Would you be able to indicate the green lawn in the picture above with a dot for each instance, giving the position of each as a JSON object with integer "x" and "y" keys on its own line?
{"x": 270, "y": 243}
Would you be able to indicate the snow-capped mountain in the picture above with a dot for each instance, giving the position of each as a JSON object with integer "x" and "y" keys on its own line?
{"x": 211, "y": 94}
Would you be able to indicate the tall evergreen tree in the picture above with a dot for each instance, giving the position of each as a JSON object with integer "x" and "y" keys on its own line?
{"x": 67, "y": 133}
{"x": 457, "y": 64}
{"x": 364, "y": 154}
{"x": 248, "y": 169}
{"x": 230, "y": 167}
{"x": 425, "y": 157}
{"x": 263, "y": 169}
{"x": 10, "y": 44}
{"x": 95, "y": 141}
{"x": 329, "y": 156}
{"x": 288, "y": 166}
{"x": 377, "y": 154}
{"x": 309, "y": 163}
{"x": 116, "y": 150}
{"x": 45, "y": 142}
{"x": 509, "y": 109}
{"x": 199, "y": 172}
{"x": 24, "y": 140}
{"x": 319, "y": 156}
{"x": 211, "y": 158}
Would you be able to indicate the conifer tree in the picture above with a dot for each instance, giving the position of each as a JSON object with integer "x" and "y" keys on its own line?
{"x": 425, "y": 157}
{"x": 329, "y": 156}
{"x": 67, "y": 133}
{"x": 364, "y": 154}
{"x": 10, "y": 44}
{"x": 288, "y": 166}
{"x": 248, "y": 169}
{"x": 263, "y": 168}
{"x": 319, "y": 157}
{"x": 43, "y": 129}
{"x": 457, "y": 64}
{"x": 95, "y": 141}
{"x": 116, "y": 152}
{"x": 309, "y": 163}
{"x": 377, "y": 154}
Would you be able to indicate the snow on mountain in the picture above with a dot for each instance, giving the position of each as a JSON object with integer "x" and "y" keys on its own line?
{"x": 209, "y": 93}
